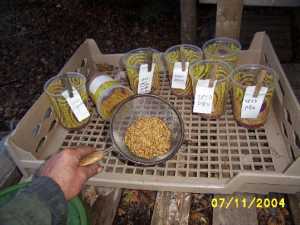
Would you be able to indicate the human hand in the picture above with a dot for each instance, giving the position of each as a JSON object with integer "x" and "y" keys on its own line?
{"x": 64, "y": 169}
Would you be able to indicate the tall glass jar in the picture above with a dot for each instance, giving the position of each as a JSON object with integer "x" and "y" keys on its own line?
{"x": 222, "y": 48}
{"x": 246, "y": 76}
{"x": 179, "y": 53}
{"x": 220, "y": 71}
{"x": 107, "y": 93}
{"x": 133, "y": 61}
{"x": 55, "y": 89}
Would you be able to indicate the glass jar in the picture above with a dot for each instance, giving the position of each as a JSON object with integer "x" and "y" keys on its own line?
{"x": 55, "y": 87}
{"x": 243, "y": 77}
{"x": 179, "y": 53}
{"x": 220, "y": 71}
{"x": 106, "y": 94}
{"x": 132, "y": 62}
{"x": 222, "y": 48}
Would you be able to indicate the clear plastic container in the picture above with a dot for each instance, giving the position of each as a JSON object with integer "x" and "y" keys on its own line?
{"x": 106, "y": 94}
{"x": 202, "y": 70}
{"x": 222, "y": 48}
{"x": 247, "y": 75}
{"x": 54, "y": 88}
{"x": 134, "y": 59}
{"x": 177, "y": 53}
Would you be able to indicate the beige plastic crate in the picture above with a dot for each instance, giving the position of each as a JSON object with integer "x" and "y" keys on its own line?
{"x": 217, "y": 157}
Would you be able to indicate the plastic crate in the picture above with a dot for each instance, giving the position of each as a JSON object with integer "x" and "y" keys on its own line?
{"x": 218, "y": 157}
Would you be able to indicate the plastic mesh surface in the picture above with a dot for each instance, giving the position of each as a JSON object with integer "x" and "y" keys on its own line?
{"x": 212, "y": 148}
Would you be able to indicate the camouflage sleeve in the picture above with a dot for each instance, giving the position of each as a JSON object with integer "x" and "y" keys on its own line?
{"x": 42, "y": 202}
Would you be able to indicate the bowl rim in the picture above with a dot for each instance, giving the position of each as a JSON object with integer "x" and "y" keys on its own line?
{"x": 135, "y": 160}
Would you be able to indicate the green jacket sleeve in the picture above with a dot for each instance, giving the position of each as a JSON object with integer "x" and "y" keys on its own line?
{"x": 41, "y": 203}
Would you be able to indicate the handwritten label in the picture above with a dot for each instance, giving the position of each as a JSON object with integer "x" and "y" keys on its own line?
{"x": 145, "y": 79}
{"x": 204, "y": 97}
{"x": 76, "y": 104}
{"x": 179, "y": 76}
{"x": 251, "y": 105}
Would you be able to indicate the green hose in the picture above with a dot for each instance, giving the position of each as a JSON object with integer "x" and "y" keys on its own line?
{"x": 76, "y": 211}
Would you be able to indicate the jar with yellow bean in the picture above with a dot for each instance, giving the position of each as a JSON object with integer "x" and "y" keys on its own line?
{"x": 106, "y": 94}
{"x": 55, "y": 89}
{"x": 258, "y": 77}
{"x": 182, "y": 53}
{"x": 133, "y": 61}
{"x": 224, "y": 49}
{"x": 218, "y": 72}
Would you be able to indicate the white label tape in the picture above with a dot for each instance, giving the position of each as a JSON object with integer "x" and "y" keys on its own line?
{"x": 97, "y": 82}
{"x": 145, "y": 79}
{"x": 179, "y": 76}
{"x": 76, "y": 104}
{"x": 251, "y": 105}
{"x": 203, "y": 102}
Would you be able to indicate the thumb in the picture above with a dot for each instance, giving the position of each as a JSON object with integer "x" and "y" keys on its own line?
{"x": 90, "y": 170}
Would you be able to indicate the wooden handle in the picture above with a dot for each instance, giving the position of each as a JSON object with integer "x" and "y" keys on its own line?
{"x": 91, "y": 158}
{"x": 212, "y": 76}
{"x": 259, "y": 82}
{"x": 150, "y": 60}
{"x": 67, "y": 85}
{"x": 182, "y": 58}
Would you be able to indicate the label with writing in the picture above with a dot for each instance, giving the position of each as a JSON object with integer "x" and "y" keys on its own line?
{"x": 251, "y": 105}
{"x": 179, "y": 76}
{"x": 204, "y": 96}
{"x": 145, "y": 79}
{"x": 76, "y": 104}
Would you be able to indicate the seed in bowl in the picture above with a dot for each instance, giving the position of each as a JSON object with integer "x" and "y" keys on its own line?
{"x": 148, "y": 137}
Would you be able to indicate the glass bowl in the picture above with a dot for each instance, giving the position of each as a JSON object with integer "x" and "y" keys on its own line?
{"x": 146, "y": 105}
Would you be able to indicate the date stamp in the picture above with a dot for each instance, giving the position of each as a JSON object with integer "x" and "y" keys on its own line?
{"x": 243, "y": 202}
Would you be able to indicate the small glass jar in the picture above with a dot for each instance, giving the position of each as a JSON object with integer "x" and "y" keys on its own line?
{"x": 189, "y": 53}
{"x": 134, "y": 59}
{"x": 106, "y": 94}
{"x": 202, "y": 70}
{"x": 247, "y": 75}
{"x": 54, "y": 88}
{"x": 224, "y": 49}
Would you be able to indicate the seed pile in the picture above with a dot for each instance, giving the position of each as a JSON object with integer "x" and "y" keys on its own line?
{"x": 148, "y": 137}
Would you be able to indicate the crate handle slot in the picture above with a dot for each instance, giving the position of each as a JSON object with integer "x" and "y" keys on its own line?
{"x": 297, "y": 140}
{"x": 40, "y": 144}
{"x": 36, "y": 130}
{"x": 287, "y": 116}
{"x": 281, "y": 88}
{"x": 47, "y": 114}
{"x": 284, "y": 129}
{"x": 52, "y": 125}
